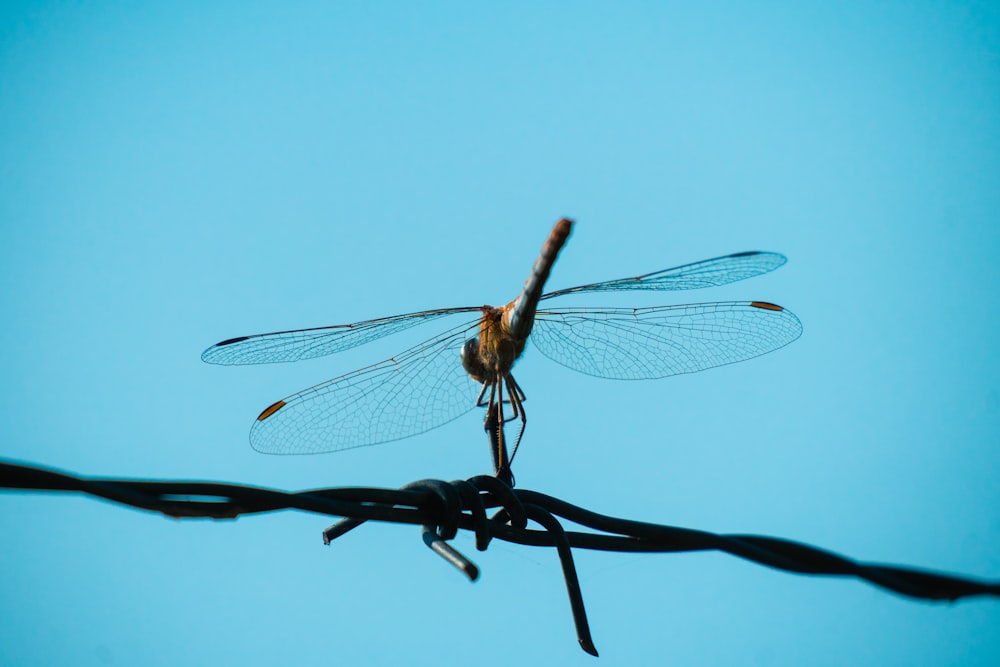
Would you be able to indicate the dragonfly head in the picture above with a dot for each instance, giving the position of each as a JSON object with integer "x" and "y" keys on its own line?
{"x": 471, "y": 361}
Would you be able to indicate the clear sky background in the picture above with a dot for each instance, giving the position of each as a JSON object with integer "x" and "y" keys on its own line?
{"x": 173, "y": 174}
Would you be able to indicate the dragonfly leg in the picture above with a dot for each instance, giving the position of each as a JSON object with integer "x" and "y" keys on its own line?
{"x": 516, "y": 397}
{"x": 494, "y": 430}
{"x": 500, "y": 418}
{"x": 482, "y": 393}
{"x": 501, "y": 464}
{"x": 490, "y": 423}
{"x": 520, "y": 395}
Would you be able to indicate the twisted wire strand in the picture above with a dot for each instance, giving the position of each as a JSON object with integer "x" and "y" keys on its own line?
{"x": 444, "y": 508}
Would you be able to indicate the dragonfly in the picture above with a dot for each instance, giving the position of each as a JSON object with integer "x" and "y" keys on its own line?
{"x": 469, "y": 365}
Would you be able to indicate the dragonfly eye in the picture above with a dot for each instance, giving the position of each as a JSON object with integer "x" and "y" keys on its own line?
{"x": 470, "y": 360}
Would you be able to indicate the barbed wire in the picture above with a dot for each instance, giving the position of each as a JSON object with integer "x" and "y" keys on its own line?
{"x": 442, "y": 508}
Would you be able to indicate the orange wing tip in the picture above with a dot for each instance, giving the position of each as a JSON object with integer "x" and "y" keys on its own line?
{"x": 270, "y": 410}
{"x": 761, "y": 304}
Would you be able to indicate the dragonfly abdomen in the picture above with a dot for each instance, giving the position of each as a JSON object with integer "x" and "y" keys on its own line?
{"x": 521, "y": 311}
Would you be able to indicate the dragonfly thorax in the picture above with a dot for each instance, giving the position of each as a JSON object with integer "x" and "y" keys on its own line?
{"x": 492, "y": 354}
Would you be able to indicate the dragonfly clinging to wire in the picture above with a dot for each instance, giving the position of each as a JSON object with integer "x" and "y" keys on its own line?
{"x": 469, "y": 365}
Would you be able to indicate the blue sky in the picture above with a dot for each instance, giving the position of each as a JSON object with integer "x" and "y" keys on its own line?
{"x": 177, "y": 174}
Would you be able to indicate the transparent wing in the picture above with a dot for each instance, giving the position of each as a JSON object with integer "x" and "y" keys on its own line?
{"x": 645, "y": 343}
{"x": 707, "y": 273}
{"x": 415, "y": 391}
{"x": 317, "y": 342}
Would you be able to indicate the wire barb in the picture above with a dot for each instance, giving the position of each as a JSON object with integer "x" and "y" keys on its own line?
{"x": 443, "y": 508}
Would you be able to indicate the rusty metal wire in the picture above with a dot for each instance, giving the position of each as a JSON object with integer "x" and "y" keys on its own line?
{"x": 442, "y": 508}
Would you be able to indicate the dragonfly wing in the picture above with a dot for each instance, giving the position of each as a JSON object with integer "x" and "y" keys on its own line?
{"x": 646, "y": 343}
{"x": 707, "y": 273}
{"x": 317, "y": 342}
{"x": 415, "y": 391}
